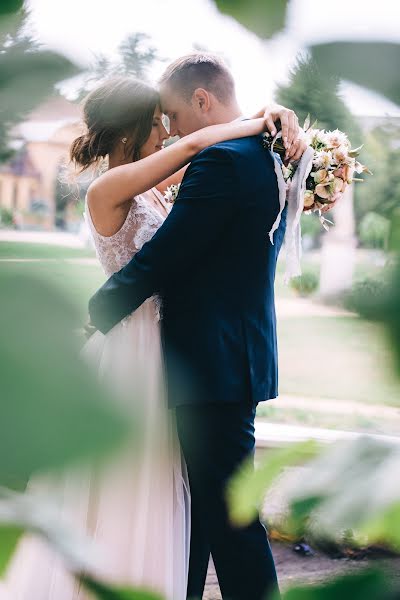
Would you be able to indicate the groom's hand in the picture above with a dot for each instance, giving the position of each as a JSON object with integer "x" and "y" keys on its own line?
{"x": 89, "y": 329}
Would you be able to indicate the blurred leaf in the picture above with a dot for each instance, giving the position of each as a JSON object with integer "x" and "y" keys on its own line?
{"x": 261, "y": 16}
{"x": 9, "y": 536}
{"x": 248, "y": 487}
{"x": 105, "y": 592}
{"x": 34, "y": 513}
{"x": 371, "y": 64}
{"x": 365, "y": 585}
{"x": 10, "y": 6}
{"x": 39, "y": 514}
{"x": 385, "y": 526}
{"x": 26, "y": 78}
{"x": 334, "y": 493}
{"x": 53, "y": 411}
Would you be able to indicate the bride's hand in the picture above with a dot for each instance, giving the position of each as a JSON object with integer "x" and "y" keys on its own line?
{"x": 297, "y": 149}
{"x": 289, "y": 123}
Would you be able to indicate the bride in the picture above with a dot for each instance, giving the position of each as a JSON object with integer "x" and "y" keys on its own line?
{"x": 137, "y": 509}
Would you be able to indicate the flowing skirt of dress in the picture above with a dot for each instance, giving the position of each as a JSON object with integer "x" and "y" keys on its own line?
{"x": 136, "y": 508}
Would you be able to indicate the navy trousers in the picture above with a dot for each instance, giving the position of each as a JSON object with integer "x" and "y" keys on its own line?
{"x": 215, "y": 439}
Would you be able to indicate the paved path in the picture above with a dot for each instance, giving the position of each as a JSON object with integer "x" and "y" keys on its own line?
{"x": 303, "y": 307}
{"x": 270, "y": 435}
{"x": 337, "y": 407}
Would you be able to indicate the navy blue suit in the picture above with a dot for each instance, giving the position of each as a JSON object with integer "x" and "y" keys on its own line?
{"x": 214, "y": 266}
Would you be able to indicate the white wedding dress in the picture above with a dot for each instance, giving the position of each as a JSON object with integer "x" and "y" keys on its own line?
{"x": 137, "y": 510}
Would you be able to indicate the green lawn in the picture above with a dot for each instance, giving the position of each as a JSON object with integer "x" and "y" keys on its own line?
{"x": 342, "y": 358}
{"x": 45, "y": 251}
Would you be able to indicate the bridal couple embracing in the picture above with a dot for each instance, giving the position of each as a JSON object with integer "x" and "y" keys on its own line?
{"x": 187, "y": 315}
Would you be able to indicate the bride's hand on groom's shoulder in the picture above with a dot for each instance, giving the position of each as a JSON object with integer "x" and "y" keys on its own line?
{"x": 292, "y": 134}
{"x": 288, "y": 120}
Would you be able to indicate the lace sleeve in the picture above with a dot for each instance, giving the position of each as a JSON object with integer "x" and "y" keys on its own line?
{"x": 115, "y": 251}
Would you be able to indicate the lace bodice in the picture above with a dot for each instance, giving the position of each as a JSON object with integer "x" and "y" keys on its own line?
{"x": 141, "y": 223}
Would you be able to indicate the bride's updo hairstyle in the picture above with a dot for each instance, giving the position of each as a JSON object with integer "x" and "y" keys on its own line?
{"x": 120, "y": 107}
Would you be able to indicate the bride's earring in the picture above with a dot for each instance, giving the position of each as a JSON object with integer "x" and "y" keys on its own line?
{"x": 124, "y": 140}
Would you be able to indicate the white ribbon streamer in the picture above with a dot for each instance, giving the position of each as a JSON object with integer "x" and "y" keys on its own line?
{"x": 294, "y": 194}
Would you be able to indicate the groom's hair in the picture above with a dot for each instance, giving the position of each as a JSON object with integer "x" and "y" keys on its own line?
{"x": 200, "y": 70}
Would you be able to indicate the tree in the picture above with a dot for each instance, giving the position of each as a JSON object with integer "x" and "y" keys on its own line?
{"x": 27, "y": 72}
{"x": 312, "y": 92}
{"x": 135, "y": 57}
{"x": 381, "y": 153}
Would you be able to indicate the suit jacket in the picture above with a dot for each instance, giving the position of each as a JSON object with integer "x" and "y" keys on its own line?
{"x": 214, "y": 266}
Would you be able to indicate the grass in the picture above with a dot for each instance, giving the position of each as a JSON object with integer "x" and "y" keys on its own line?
{"x": 76, "y": 282}
{"x": 342, "y": 358}
{"x": 44, "y": 251}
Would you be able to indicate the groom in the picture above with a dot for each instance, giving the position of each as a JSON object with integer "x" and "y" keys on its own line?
{"x": 214, "y": 266}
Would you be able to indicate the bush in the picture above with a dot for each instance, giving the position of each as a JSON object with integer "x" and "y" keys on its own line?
{"x": 374, "y": 230}
{"x": 306, "y": 284}
{"x": 366, "y": 294}
{"x": 6, "y": 217}
{"x": 310, "y": 225}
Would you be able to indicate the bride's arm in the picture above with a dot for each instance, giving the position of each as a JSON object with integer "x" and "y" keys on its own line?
{"x": 120, "y": 184}
{"x": 271, "y": 113}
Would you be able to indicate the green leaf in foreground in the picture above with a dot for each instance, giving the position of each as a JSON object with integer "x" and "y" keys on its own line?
{"x": 248, "y": 487}
{"x": 26, "y": 78}
{"x": 352, "y": 485}
{"x": 365, "y": 585}
{"x": 53, "y": 411}
{"x": 371, "y": 64}
{"x": 10, "y": 6}
{"x": 9, "y": 536}
{"x": 107, "y": 592}
{"x": 264, "y": 18}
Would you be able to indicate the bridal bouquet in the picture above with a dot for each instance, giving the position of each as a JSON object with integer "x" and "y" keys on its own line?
{"x": 331, "y": 170}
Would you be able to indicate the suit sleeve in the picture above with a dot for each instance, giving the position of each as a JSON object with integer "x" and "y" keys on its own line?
{"x": 207, "y": 203}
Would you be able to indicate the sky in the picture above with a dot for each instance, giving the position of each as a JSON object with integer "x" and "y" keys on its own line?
{"x": 83, "y": 28}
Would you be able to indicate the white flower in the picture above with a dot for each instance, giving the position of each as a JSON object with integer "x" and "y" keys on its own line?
{"x": 336, "y": 138}
{"x": 340, "y": 154}
{"x": 322, "y": 159}
{"x": 171, "y": 193}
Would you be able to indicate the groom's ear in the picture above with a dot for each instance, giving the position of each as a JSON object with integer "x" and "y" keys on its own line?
{"x": 201, "y": 100}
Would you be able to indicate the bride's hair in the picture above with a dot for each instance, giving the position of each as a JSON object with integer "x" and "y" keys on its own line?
{"x": 117, "y": 108}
